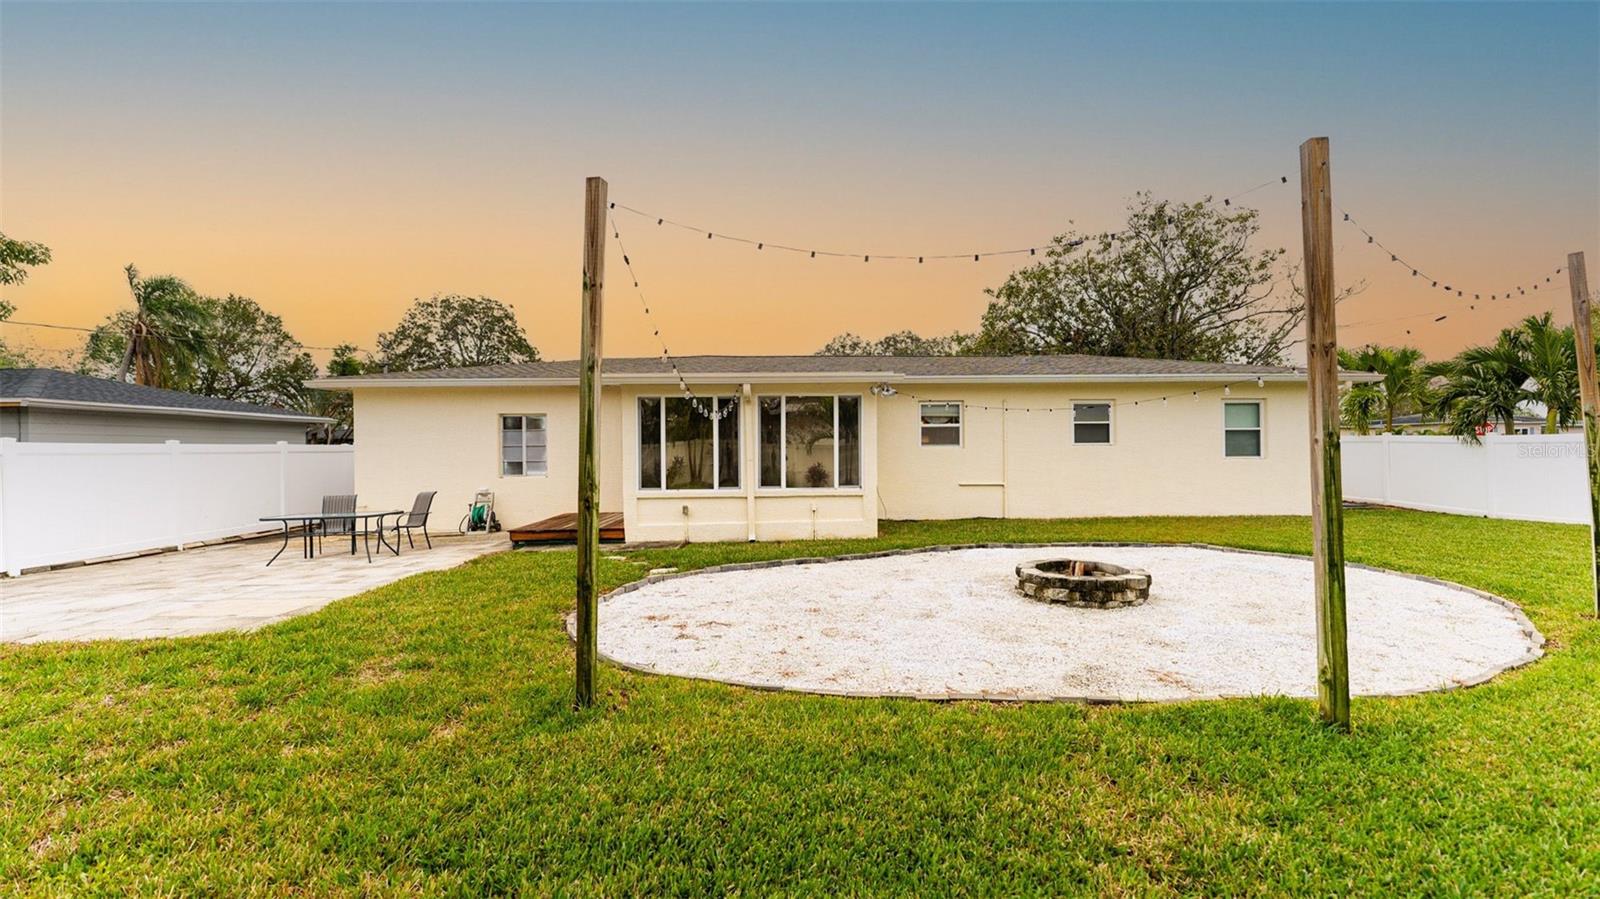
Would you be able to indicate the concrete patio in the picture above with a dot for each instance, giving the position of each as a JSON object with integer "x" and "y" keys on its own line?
{"x": 209, "y": 589}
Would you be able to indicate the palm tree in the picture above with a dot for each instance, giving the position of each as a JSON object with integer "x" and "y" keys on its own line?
{"x": 1551, "y": 359}
{"x": 1483, "y": 384}
{"x": 1404, "y": 384}
{"x": 1359, "y": 405}
{"x": 165, "y": 334}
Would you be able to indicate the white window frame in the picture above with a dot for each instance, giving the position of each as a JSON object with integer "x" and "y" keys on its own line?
{"x": 500, "y": 445}
{"x": 1110, "y": 422}
{"x": 716, "y": 447}
{"x": 960, "y": 425}
{"x": 1260, "y": 428}
{"x": 783, "y": 443}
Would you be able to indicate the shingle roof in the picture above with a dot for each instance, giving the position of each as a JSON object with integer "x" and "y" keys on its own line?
{"x": 48, "y": 385}
{"x": 920, "y": 367}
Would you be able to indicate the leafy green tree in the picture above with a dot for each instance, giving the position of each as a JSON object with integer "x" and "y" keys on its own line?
{"x": 1535, "y": 362}
{"x": 250, "y": 356}
{"x": 16, "y": 258}
{"x": 162, "y": 341}
{"x": 227, "y": 347}
{"x": 1482, "y": 385}
{"x": 1180, "y": 282}
{"x": 1359, "y": 405}
{"x": 900, "y": 343}
{"x": 1404, "y": 387}
{"x": 338, "y": 404}
{"x": 1550, "y": 355}
{"x": 11, "y": 357}
{"x": 454, "y": 331}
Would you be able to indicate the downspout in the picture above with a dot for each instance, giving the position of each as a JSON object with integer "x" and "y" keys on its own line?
{"x": 750, "y": 425}
{"x": 1004, "y": 487}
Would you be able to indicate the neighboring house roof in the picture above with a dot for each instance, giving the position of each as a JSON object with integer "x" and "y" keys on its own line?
{"x": 1415, "y": 420}
{"x": 46, "y": 387}
{"x": 651, "y": 369}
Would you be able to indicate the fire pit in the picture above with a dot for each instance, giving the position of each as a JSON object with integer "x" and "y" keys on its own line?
{"x": 1083, "y": 584}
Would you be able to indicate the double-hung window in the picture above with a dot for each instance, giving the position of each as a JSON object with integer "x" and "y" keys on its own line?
{"x": 681, "y": 448}
{"x": 941, "y": 424}
{"x": 1091, "y": 422}
{"x": 524, "y": 448}
{"x": 1241, "y": 428}
{"x": 810, "y": 441}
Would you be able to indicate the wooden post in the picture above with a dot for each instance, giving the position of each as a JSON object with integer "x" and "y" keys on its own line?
{"x": 594, "y": 274}
{"x": 1327, "y": 490}
{"x": 1589, "y": 392}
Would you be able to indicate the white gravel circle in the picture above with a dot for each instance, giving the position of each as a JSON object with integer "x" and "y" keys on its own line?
{"x": 945, "y": 624}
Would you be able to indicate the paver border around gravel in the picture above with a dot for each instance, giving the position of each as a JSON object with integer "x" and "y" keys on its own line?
{"x": 1534, "y": 653}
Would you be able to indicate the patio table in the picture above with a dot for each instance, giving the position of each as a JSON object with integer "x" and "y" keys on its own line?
{"x": 308, "y": 547}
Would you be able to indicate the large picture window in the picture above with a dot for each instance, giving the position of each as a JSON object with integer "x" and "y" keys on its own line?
{"x": 810, "y": 441}
{"x": 1241, "y": 429}
{"x": 523, "y": 445}
{"x": 680, "y": 448}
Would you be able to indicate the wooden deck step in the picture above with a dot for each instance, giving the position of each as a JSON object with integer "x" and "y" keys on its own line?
{"x": 563, "y": 528}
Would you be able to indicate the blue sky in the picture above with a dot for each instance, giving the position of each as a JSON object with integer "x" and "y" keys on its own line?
{"x": 335, "y": 160}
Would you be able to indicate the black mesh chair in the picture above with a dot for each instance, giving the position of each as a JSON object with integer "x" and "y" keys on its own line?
{"x": 337, "y": 526}
{"x": 418, "y": 518}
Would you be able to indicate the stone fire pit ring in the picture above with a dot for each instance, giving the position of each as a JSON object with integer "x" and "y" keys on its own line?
{"x": 1083, "y": 584}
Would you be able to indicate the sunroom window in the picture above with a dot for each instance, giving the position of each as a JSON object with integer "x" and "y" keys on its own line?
{"x": 681, "y": 448}
{"x": 810, "y": 441}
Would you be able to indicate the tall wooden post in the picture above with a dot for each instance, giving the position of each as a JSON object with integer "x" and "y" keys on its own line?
{"x": 594, "y": 276}
{"x": 1327, "y": 491}
{"x": 1589, "y": 392}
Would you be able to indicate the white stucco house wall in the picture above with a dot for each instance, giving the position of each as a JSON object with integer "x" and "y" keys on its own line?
{"x": 826, "y": 446}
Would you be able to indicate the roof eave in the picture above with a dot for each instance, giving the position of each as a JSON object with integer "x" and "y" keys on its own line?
{"x": 286, "y": 417}
{"x": 352, "y": 383}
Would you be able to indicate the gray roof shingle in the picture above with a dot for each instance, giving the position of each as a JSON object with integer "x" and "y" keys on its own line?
{"x": 48, "y": 384}
{"x": 1043, "y": 367}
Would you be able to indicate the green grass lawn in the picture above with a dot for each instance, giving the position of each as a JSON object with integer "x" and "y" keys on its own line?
{"x": 420, "y": 738}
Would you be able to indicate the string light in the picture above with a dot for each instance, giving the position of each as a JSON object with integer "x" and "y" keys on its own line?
{"x": 1435, "y": 283}
{"x": 812, "y": 253}
{"x": 712, "y": 409}
{"x": 886, "y": 390}
{"x": 1281, "y": 179}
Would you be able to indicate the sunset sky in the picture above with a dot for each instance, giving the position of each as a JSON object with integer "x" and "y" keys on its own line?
{"x": 335, "y": 161}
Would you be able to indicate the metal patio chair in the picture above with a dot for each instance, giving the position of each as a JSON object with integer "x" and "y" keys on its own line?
{"x": 337, "y": 526}
{"x": 418, "y": 518}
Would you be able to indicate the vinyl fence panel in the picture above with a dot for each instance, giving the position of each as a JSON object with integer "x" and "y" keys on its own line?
{"x": 1536, "y": 478}
{"x": 69, "y": 502}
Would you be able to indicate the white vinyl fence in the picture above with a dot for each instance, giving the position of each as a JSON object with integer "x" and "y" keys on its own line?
{"x": 67, "y": 502}
{"x": 1537, "y": 478}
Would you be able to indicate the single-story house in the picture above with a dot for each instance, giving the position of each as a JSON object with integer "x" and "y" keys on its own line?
{"x": 790, "y": 447}
{"x": 42, "y": 405}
